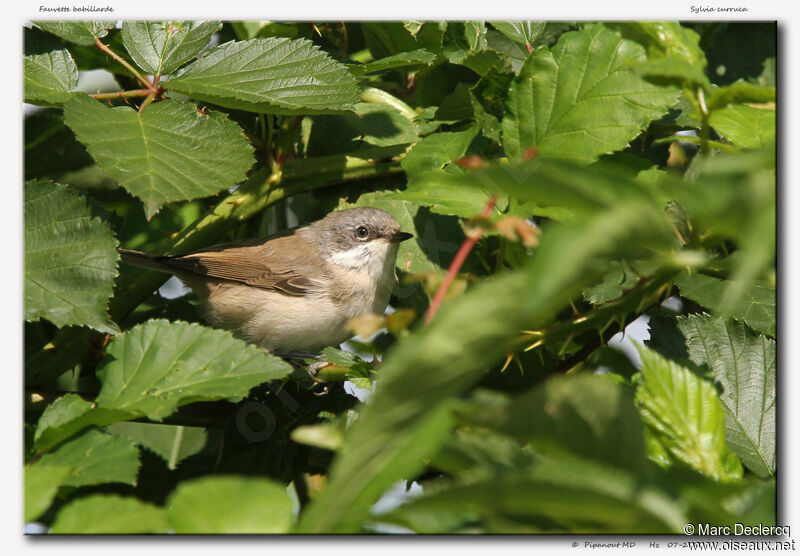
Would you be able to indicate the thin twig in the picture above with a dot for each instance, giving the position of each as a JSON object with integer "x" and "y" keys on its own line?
{"x": 458, "y": 261}
{"x": 122, "y": 94}
{"x": 124, "y": 63}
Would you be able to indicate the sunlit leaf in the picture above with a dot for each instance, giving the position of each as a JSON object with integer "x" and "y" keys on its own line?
{"x": 49, "y": 78}
{"x": 161, "y": 47}
{"x": 41, "y": 482}
{"x": 581, "y": 100}
{"x": 104, "y": 514}
{"x": 70, "y": 259}
{"x": 236, "y": 505}
{"x": 80, "y": 32}
{"x": 272, "y": 75}
{"x": 743, "y": 363}
{"x": 686, "y": 415}
{"x": 168, "y": 152}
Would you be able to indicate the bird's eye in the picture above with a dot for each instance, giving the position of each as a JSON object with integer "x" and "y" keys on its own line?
{"x": 361, "y": 232}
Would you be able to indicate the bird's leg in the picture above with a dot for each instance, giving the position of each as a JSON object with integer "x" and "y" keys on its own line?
{"x": 311, "y": 369}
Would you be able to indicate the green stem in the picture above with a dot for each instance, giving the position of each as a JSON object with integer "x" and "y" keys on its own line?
{"x": 122, "y": 94}
{"x": 370, "y": 94}
{"x": 176, "y": 448}
{"x": 705, "y": 127}
{"x": 124, "y": 63}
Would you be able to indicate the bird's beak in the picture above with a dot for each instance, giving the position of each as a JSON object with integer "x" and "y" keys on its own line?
{"x": 400, "y": 236}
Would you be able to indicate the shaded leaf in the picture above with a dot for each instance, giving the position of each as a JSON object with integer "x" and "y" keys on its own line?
{"x": 581, "y": 100}
{"x": 272, "y": 75}
{"x": 586, "y": 415}
{"x": 95, "y": 458}
{"x": 740, "y": 92}
{"x": 80, "y": 32}
{"x": 377, "y": 124}
{"x": 561, "y": 495}
{"x": 50, "y": 147}
{"x": 104, "y": 514}
{"x": 70, "y": 259}
{"x": 233, "y": 505}
{"x": 388, "y": 38}
{"x": 161, "y": 47}
{"x": 41, "y": 482}
{"x": 686, "y": 415}
{"x": 169, "y": 152}
{"x": 757, "y": 307}
{"x": 173, "y": 443}
{"x": 743, "y": 363}
{"x": 49, "y": 78}
{"x": 664, "y": 38}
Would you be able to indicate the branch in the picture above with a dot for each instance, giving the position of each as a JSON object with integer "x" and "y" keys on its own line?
{"x": 122, "y": 94}
{"x": 148, "y": 85}
{"x": 457, "y": 263}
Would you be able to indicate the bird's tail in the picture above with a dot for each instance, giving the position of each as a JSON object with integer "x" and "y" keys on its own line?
{"x": 145, "y": 260}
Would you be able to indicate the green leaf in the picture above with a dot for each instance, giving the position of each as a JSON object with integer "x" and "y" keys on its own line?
{"x": 523, "y": 32}
{"x": 50, "y": 147}
{"x": 586, "y": 415}
{"x": 173, "y": 443}
{"x": 411, "y": 59}
{"x": 745, "y": 126}
{"x": 70, "y": 259}
{"x": 80, "y": 32}
{"x": 686, "y": 415}
{"x": 169, "y": 152}
{"x": 407, "y": 417}
{"x": 66, "y": 416}
{"x": 373, "y": 123}
{"x": 41, "y": 484}
{"x": 436, "y": 151}
{"x": 557, "y": 496}
{"x": 95, "y": 458}
{"x": 756, "y": 309}
{"x": 49, "y": 78}
{"x": 744, "y": 364}
{"x": 581, "y": 100}
{"x": 155, "y": 367}
{"x": 231, "y": 505}
{"x": 623, "y": 276}
{"x": 475, "y": 33}
{"x": 664, "y": 38}
{"x": 740, "y": 92}
{"x": 673, "y": 70}
{"x": 161, "y": 47}
{"x": 109, "y": 514}
{"x": 272, "y": 75}
{"x": 386, "y": 39}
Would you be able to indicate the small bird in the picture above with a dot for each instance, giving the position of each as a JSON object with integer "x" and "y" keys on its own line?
{"x": 293, "y": 291}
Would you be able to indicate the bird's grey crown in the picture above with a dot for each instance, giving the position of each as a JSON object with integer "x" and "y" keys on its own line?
{"x": 338, "y": 231}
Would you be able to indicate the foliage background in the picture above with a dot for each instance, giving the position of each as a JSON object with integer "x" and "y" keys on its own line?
{"x": 508, "y": 408}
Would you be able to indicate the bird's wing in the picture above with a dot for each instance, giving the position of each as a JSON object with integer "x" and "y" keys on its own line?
{"x": 275, "y": 264}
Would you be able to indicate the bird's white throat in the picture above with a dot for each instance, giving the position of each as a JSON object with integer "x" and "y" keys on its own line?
{"x": 375, "y": 257}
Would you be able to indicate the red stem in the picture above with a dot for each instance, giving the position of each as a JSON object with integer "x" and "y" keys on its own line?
{"x": 457, "y": 263}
